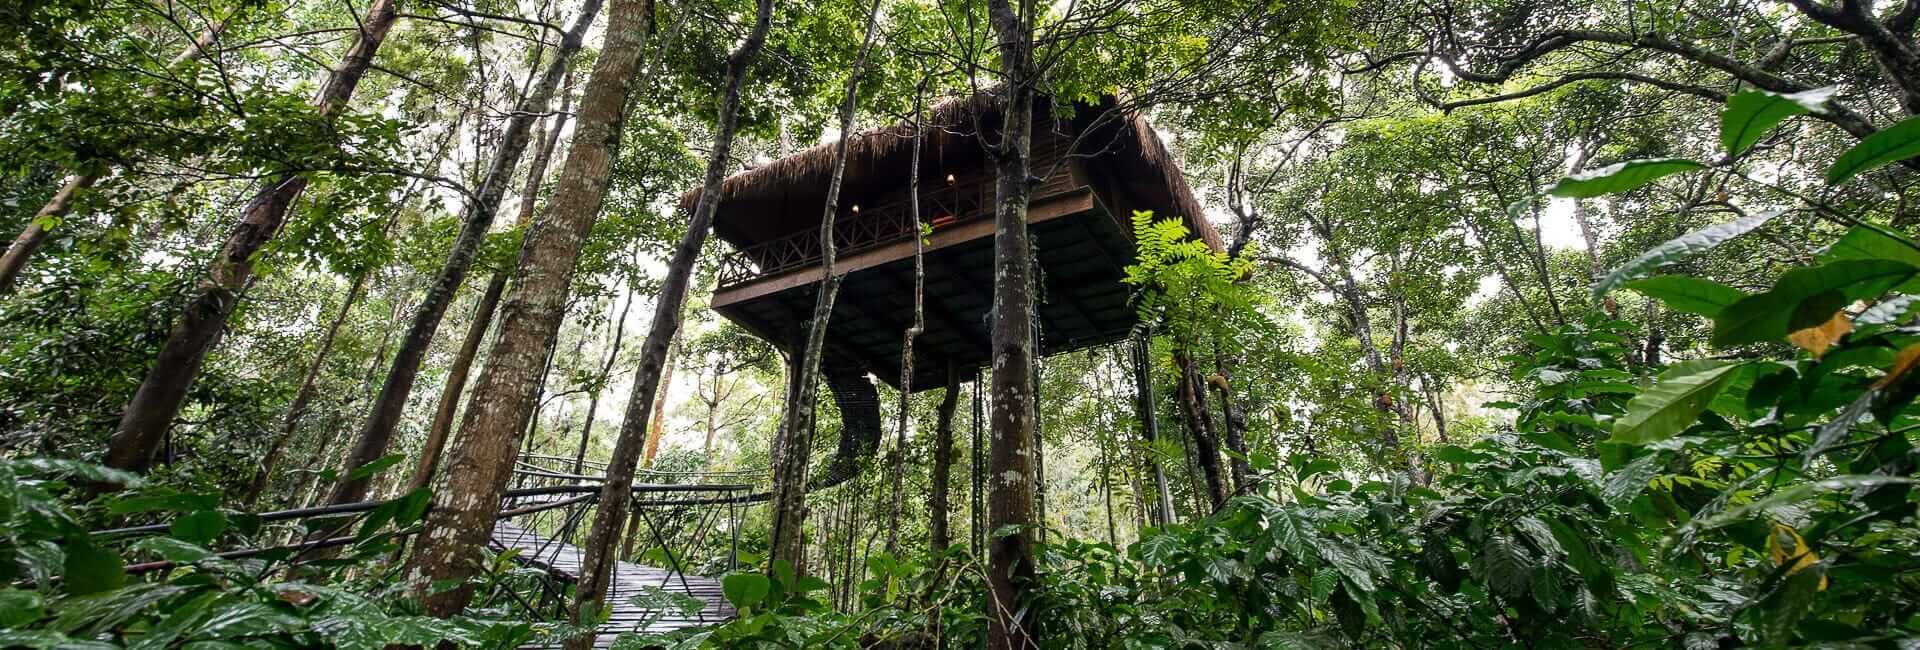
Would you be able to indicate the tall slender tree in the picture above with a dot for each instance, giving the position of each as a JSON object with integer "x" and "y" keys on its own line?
{"x": 914, "y": 328}
{"x": 14, "y": 261}
{"x": 794, "y": 440}
{"x": 1010, "y": 470}
{"x": 503, "y": 398}
{"x": 147, "y": 417}
{"x": 456, "y": 383}
{"x": 616, "y": 495}
{"x": 377, "y": 433}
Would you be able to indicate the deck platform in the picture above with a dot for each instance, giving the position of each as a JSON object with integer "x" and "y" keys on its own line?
{"x": 629, "y": 580}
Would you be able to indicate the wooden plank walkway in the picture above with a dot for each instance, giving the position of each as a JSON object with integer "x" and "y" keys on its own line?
{"x": 629, "y": 580}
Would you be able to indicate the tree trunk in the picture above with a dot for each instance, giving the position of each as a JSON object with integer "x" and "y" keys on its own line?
{"x": 377, "y": 434}
{"x": 298, "y": 407}
{"x": 310, "y": 487}
{"x": 1206, "y": 445}
{"x": 795, "y": 440}
{"x": 617, "y": 491}
{"x": 503, "y": 399}
{"x": 154, "y": 405}
{"x": 1236, "y": 422}
{"x": 1500, "y": 268}
{"x": 906, "y": 339}
{"x": 940, "y": 534}
{"x": 657, "y": 424}
{"x": 1010, "y": 567}
{"x": 606, "y": 375}
{"x": 1150, "y": 426}
{"x": 35, "y": 234}
{"x": 1539, "y": 257}
{"x": 456, "y": 384}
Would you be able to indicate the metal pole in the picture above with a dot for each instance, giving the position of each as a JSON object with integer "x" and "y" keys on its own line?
{"x": 1039, "y": 441}
{"x": 1149, "y": 423}
{"x": 979, "y": 501}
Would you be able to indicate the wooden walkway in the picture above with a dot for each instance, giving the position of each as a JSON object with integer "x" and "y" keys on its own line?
{"x": 629, "y": 580}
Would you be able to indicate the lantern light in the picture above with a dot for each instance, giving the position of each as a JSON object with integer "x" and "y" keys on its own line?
{"x": 949, "y": 179}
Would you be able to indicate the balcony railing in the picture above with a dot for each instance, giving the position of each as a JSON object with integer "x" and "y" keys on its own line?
{"x": 860, "y": 228}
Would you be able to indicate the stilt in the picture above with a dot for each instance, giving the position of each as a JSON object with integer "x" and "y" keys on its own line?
{"x": 1149, "y": 424}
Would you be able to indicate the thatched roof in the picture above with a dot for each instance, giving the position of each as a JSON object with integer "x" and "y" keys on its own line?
{"x": 786, "y": 195}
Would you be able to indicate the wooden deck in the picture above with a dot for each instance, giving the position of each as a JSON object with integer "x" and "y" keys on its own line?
{"x": 629, "y": 580}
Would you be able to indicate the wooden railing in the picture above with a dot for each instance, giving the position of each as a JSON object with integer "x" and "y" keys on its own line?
{"x": 860, "y": 228}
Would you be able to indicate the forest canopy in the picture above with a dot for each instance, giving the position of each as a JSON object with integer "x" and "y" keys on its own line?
{"x": 1166, "y": 324}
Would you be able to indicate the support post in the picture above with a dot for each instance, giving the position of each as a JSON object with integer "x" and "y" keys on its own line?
{"x": 978, "y": 527}
{"x": 1149, "y": 424}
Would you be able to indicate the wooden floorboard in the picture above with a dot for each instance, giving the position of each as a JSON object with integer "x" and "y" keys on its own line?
{"x": 629, "y": 580}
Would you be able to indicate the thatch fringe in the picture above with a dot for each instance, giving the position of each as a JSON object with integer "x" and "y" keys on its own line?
{"x": 950, "y": 123}
{"x": 952, "y": 132}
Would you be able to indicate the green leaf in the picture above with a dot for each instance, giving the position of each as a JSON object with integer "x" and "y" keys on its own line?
{"x": 173, "y": 550}
{"x": 1769, "y": 316}
{"x": 1438, "y": 562}
{"x": 164, "y": 499}
{"x": 77, "y": 469}
{"x": 367, "y": 471}
{"x": 1681, "y": 248}
{"x": 1289, "y": 533}
{"x": 201, "y": 527}
{"x": 1542, "y": 536}
{"x": 1866, "y": 243}
{"x": 1672, "y": 403}
{"x": 745, "y": 590}
{"x": 1625, "y": 484}
{"x": 1750, "y": 114}
{"x": 1800, "y": 493}
{"x": 1505, "y": 566}
{"x": 19, "y": 607}
{"x": 1350, "y": 566}
{"x": 1783, "y": 609}
{"x": 1841, "y": 426}
{"x": 810, "y": 584}
{"x": 1892, "y": 144}
{"x": 90, "y": 569}
{"x": 1687, "y": 293}
{"x": 412, "y": 507}
{"x": 1620, "y": 177}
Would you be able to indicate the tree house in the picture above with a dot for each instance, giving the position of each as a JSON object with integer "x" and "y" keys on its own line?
{"x": 1092, "y": 170}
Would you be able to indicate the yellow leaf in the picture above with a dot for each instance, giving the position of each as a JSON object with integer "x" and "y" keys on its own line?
{"x": 1902, "y": 363}
{"x": 1818, "y": 338}
{"x": 1786, "y": 545}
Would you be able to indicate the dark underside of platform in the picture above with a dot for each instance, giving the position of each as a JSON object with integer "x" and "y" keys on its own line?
{"x": 1081, "y": 302}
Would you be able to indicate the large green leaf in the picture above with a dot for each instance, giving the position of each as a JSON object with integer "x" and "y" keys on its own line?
{"x": 1672, "y": 403}
{"x": 1620, "y": 177}
{"x": 19, "y": 607}
{"x": 200, "y": 527}
{"x": 1865, "y": 243}
{"x": 1770, "y": 316}
{"x": 1750, "y": 114}
{"x": 1892, "y": 144}
{"x": 91, "y": 569}
{"x": 745, "y": 589}
{"x": 1687, "y": 293}
{"x": 1681, "y": 248}
{"x": 1506, "y": 566}
{"x": 374, "y": 467}
{"x": 164, "y": 499}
